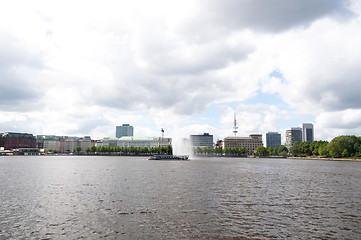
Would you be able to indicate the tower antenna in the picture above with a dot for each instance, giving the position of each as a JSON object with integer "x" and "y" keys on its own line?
{"x": 235, "y": 126}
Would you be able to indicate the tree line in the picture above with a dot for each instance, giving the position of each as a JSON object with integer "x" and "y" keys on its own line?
{"x": 219, "y": 151}
{"x": 128, "y": 150}
{"x": 341, "y": 146}
{"x": 241, "y": 152}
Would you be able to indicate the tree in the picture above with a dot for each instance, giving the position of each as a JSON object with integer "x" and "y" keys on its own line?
{"x": 77, "y": 149}
{"x": 323, "y": 150}
{"x": 261, "y": 151}
{"x": 339, "y": 144}
{"x": 282, "y": 149}
{"x": 295, "y": 149}
{"x": 169, "y": 150}
{"x": 218, "y": 150}
{"x": 93, "y": 149}
{"x": 345, "y": 153}
{"x": 305, "y": 148}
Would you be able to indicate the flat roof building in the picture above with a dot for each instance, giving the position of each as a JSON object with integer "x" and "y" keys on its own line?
{"x": 124, "y": 131}
{"x": 202, "y": 140}
{"x": 273, "y": 139}
{"x": 250, "y": 143}
{"x": 307, "y": 132}
{"x": 148, "y": 142}
{"x": 11, "y": 140}
{"x": 293, "y": 135}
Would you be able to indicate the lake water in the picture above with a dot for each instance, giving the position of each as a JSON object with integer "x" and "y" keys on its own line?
{"x": 82, "y": 197}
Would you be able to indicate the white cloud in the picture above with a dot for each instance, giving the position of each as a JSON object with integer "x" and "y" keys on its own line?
{"x": 86, "y": 68}
{"x": 346, "y": 119}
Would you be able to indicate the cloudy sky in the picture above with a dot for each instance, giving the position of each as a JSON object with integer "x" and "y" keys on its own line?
{"x": 82, "y": 67}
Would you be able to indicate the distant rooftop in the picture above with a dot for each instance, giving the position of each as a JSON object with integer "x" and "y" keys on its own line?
{"x": 17, "y": 135}
{"x": 130, "y": 138}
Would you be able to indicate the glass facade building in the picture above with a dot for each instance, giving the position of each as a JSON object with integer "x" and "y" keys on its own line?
{"x": 273, "y": 139}
{"x": 292, "y": 136}
{"x": 124, "y": 131}
{"x": 205, "y": 140}
{"x": 307, "y": 132}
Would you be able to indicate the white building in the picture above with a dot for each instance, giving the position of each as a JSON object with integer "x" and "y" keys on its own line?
{"x": 52, "y": 145}
{"x": 72, "y": 142}
{"x": 148, "y": 142}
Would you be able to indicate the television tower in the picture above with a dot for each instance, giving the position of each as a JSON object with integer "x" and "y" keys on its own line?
{"x": 235, "y": 126}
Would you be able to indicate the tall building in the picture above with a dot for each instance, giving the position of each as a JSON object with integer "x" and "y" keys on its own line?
{"x": 124, "y": 131}
{"x": 202, "y": 140}
{"x": 307, "y": 132}
{"x": 293, "y": 135}
{"x": 273, "y": 139}
{"x": 250, "y": 143}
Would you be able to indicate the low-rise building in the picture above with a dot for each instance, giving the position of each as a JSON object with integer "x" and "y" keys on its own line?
{"x": 50, "y": 142}
{"x": 148, "y": 142}
{"x": 165, "y": 142}
{"x": 71, "y": 142}
{"x": 128, "y": 141}
{"x": 52, "y": 145}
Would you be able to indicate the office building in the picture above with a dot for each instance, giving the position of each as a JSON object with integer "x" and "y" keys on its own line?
{"x": 71, "y": 142}
{"x": 124, "y": 131}
{"x": 202, "y": 140}
{"x": 307, "y": 132}
{"x": 250, "y": 143}
{"x": 273, "y": 139}
{"x": 148, "y": 142}
{"x": 293, "y": 135}
{"x": 11, "y": 140}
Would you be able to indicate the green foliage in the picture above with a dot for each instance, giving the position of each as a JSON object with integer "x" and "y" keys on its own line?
{"x": 77, "y": 149}
{"x": 341, "y": 146}
{"x": 344, "y": 146}
{"x": 50, "y": 151}
{"x": 131, "y": 150}
{"x": 282, "y": 150}
{"x": 319, "y": 148}
{"x": 295, "y": 150}
{"x": 93, "y": 149}
{"x": 261, "y": 151}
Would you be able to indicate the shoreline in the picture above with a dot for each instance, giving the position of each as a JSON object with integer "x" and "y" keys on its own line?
{"x": 271, "y": 157}
{"x": 326, "y": 159}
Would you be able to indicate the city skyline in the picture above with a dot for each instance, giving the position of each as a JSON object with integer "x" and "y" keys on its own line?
{"x": 79, "y": 69}
{"x": 125, "y": 129}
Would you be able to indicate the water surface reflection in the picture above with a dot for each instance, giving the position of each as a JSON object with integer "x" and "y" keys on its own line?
{"x": 132, "y": 198}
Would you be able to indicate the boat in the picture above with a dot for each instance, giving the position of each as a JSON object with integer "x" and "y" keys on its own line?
{"x": 169, "y": 157}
